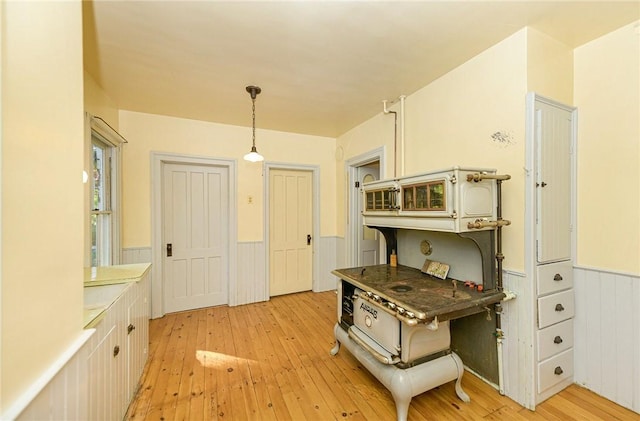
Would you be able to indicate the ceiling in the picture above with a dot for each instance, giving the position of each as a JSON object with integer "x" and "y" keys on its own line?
{"x": 324, "y": 66}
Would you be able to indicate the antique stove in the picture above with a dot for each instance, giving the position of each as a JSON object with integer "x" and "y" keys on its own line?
{"x": 399, "y": 321}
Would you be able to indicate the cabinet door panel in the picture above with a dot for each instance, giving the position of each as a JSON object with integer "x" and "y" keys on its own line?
{"x": 553, "y": 183}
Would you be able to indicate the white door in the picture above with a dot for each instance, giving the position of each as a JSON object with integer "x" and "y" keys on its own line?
{"x": 290, "y": 229}
{"x": 368, "y": 239}
{"x": 553, "y": 128}
{"x": 196, "y": 238}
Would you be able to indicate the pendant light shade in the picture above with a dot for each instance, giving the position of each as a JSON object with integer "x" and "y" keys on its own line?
{"x": 253, "y": 155}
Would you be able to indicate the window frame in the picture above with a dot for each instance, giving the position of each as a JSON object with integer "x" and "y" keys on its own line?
{"x": 99, "y": 132}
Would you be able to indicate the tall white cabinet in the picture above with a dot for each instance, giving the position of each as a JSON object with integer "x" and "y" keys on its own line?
{"x": 550, "y": 242}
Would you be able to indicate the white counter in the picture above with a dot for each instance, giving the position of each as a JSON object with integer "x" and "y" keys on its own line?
{"x": 103, "y": 285}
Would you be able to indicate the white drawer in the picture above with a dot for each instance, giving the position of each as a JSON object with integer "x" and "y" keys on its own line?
{"x": 554, "y": 370}
{"x": 555, "y": 308}
{"x": 554, "y": 277}
{"x": 555, "y": 339}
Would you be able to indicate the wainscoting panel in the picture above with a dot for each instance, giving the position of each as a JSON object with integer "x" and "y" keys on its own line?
{"x": 132, "y": 255}
{"x": 251, "y": 284}
{"x": 62, "y": 392}
{"x": 328, "y": 262}
{"x": 517, "y": 348}
{"x": 607, "y": 335}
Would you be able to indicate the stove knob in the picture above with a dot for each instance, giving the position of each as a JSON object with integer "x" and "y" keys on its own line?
{"x": 391, "y": 305}
{"x": 400, "y": 310}
{"x": 369, "y": 294}
{"x": 376, "y": 297}
{"x": 410, "y": 315}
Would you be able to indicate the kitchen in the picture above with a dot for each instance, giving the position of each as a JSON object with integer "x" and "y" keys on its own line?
{"x": 42, "y": 261}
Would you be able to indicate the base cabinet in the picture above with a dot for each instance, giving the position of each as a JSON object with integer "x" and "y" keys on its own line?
{"x": 118, "y": 353}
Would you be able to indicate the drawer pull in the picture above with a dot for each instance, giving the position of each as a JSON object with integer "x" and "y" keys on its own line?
{"x": 559, "y": 307}
{"x": 116, "y": 350}
{"x": 557, "y": 277}
{"x": 558, "y": 371}
{"x": 557, "y": 340}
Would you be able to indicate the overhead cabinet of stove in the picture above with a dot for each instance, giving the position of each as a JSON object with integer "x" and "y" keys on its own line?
{"x": 451, "y": 200}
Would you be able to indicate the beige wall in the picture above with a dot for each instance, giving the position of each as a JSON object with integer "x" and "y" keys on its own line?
{"x": 451, "y": 122}
{"x": 147, "y": 133}
{"x": 607, "y": 94}
{"x": 42, "y": 191}
{"x": 549, "y": 67}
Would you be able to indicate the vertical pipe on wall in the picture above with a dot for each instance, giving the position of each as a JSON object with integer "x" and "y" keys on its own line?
{"x": 402, "y": 98}
{"x": 395, "y": 135}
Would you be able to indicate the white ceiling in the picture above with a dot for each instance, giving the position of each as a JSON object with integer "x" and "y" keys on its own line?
{"x": 324, "y": 66}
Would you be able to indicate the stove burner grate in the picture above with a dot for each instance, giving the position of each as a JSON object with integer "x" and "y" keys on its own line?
{"x": 401, "y": 288}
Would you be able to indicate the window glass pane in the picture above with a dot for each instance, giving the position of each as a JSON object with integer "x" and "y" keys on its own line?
{"x": 369, "y": 200}
{"x": 378, "y": 201}
{"x": 421, "y": 197}
{"x": 98, "y": 198}
{"x": 100, "y": 239}
{"x": 408, "y": 198}
{"x": 436, "y": 195}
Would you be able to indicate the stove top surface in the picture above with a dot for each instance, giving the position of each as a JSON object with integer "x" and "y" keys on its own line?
{"x": 424, "y": 295}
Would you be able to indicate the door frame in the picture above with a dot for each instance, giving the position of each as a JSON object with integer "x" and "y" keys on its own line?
{"x": 315, "y": 219}
{"x": 351, "y": 169}
{"x": 158, "y": 159}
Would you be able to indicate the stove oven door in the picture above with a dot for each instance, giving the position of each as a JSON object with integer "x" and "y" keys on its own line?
{"x": 373, "y": 324}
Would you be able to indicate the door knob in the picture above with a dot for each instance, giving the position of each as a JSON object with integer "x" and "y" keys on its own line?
{"x": 308, "y": 239}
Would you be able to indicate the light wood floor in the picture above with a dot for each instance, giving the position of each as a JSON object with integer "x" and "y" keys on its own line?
{"x": 270, "y": 361}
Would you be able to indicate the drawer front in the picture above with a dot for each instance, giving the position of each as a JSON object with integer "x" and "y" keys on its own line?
{"x": 554, "y": 277}
{"x": 555, "y": 308}
{"x": 554, "y": 370}
{"x": 555, "y": 339}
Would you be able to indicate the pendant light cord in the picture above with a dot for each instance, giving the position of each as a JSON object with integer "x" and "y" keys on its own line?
{"x": 253, "y": 101}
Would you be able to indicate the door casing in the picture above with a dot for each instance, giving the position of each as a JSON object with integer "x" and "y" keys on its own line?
{"x": 158, "y": 159}
{"x": 315, "y": 223}
{"x": 352, "y": 231}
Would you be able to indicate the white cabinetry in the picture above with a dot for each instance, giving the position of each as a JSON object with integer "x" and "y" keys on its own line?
{"x": 118, "y": 352}
{"x": 551, "y": 160}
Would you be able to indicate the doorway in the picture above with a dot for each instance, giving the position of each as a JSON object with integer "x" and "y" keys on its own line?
{"x": 363, "y": 243}
{"x": 195, "y": 218}
{"x": 193, "y": 233}
{"x": 290, "y": 225}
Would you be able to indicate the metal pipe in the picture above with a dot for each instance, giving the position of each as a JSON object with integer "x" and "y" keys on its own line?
{"x": 498, "y": 306}
{"x": 395, "y": 134}
{"x": 402, "y": 137}
{"x": 483, "y": 224}
{"x": 482, "y": 176}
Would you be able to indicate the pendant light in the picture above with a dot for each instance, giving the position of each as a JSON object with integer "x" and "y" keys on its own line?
{"x": 254, "y": 156}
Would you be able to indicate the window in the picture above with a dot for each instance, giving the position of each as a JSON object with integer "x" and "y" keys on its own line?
{"x": 428, "y": 196}
{"x": 101, "y": 204}
{"x": 104, "y": 194}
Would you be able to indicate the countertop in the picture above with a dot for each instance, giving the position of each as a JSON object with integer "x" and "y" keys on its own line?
{"x": 427, "y": 297}
{"x": 103, "y": 285}
{"x": 107, "y": 275}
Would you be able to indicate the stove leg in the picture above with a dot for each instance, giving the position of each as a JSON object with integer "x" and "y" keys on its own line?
{"x": 402, "y": 406}
{"x": 335, "y": 349}
{"x": 461, "y": 393}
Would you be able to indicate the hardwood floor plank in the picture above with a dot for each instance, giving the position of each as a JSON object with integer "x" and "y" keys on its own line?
{"x": 270, "y": 361}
